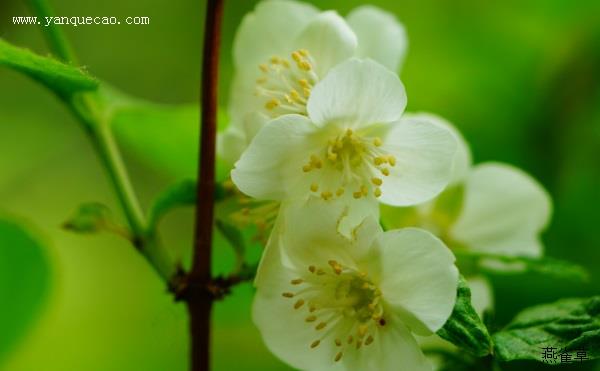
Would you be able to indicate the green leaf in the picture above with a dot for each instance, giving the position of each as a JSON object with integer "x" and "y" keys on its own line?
{"x": 165, "y": 137}
{"x": 63, "y": 79}
{"x": 24, "y": 283}
{"x": 502, "y": 264}
{"x": 90, "y": 217}
{"x": 180, "y": 194}
{"x": 566, "y": 325}
{"x": 464, "y": 328}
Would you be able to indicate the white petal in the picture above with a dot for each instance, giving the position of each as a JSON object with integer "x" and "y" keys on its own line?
{"x": 394, "y": 348}
{"x": 419, "y": 278}
{"x": 380, "y": 36}
{"x": 504, "y": 212}
{"x": 328, "y": 39}
{"x": 230, "y": 144}
{"x": 272, "y": 164}
{"x": 424, "y": 153}
{"x": 311, "y": 234}
{"x": 284, "y": 329}
{"x": 482, "y": 295}
{"x": 357, "y": 93}
{"x": 270, "y": 29}
{"x": 462, "y": 159}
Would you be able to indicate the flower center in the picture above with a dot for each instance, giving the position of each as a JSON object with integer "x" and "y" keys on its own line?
{"x": 286, "y": 84}
{"x": 342, "y": 304}
{"x": 359, "y": 160}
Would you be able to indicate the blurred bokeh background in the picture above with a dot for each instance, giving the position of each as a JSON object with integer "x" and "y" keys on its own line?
{"x": 521, "y": 79}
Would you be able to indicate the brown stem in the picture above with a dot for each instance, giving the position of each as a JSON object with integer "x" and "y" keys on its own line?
{"x": 199, "y": 298}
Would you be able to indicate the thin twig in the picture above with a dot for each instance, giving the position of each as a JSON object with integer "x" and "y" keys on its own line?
{"x": 199, "y": 298}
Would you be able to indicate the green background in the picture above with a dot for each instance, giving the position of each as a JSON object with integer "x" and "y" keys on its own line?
{"x": 520, "y": 79}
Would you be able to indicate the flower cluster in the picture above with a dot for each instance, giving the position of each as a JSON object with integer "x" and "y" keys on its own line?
{"x": 318, "y": 132}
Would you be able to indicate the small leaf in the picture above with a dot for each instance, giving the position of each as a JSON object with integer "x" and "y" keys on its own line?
{"x": 24, "y": 283}
{"x": 567, "y": 325}
{"x": 503, "y": 264}
{"x": 177, "y": 195}
{"x": 464, "y": 328}
{"x": 63, "y": 79}
{"x": 93, "y": 217}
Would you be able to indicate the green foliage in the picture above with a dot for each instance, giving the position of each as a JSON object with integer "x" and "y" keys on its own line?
{"x": 90, "y": 217}
{"x": 24, "y": 282}
{"x": 502, "y": 264}
{"x": 464, "y": 328}
{"x": 235, "y": 238}
{"x": 63, "y": 79}
{"x": 568, "y": 325}
{"x": 180, "y": 194}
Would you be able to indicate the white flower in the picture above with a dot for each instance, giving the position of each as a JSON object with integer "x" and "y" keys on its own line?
{"x": 283, "y": 48}
{"x": 351, "y": 146}
{"x": 503, "y": 210}
{"x": 325, "y": 302}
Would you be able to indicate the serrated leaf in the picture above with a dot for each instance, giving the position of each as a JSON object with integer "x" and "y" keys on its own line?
{"x": 90, "y": 217}
{"x": 24, "y": 283}
{"x": 566, "y": 325}
{"x": 63, "y": 79}
{"x": 179, "y": 194}
{"x": 464, "y": 328}
{"x": 503, "y": 264}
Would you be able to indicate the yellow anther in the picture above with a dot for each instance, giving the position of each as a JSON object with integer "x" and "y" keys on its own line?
{"x": 307, "y": 168}
{"x": 272, "y": 104}
{"x": 338, "y": 356}
{"x": 318, "y": 164}
{"x": 261, "y": 80}
{"x": 312, "y": 268}
{"x": 303, "y": 52}
{"x": 339, "y": 192}
{"x": 285, "y": 63}
{"x": 338, "y": 342}
{"x": 377, "y": 142}
{"x": 298, "y": 304}
{"x": 297, "y": 281}
{"x": 320, "y": 272}
{"x": 350, "y": 339}
{"x": 304, "y": 65}
{"x": 369, "y": 340}
{"x": 315, "y": 343}
{"x": 288, "y": 295}
{"x": 275, "y": 60}
{"x": 385, "y": 171}
{"x": 358, "y": 344}
{"x": 263, "y": 67}
{"x": 311, "y": 318}
{"x": 306, "y": 92}
{"x": 326, "y": 195}
{"x": 304, "y": 83}
{"x": 321, "y": 326}
{"x": 294, "y": 94}
{"x": 296, "y": 57}
{"x": 312, "y": 308}
{"x": 357, "y": 195}
{"x": 378, "y": 161}
{"x": 391, "y": 160}
{"x": 332, "y": 156}
{"x": 314, "y": 187}
{"x": 377, "y": 192}
{"x": 364, "y": 190}
{"x": 288, "y": 99}
{"x": 377, "y": 181}
{"x": 366, "y": 285}
{"x": 362, "y": 330}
